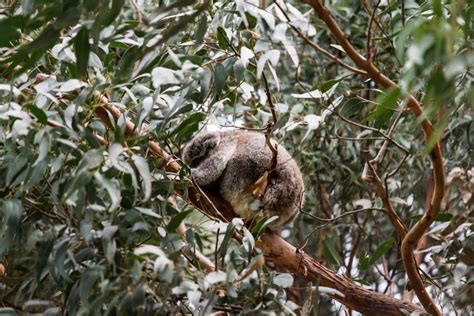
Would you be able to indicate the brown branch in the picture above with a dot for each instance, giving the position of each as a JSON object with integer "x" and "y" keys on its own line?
{"x": 382, "y": 29}
{"x": 355, "y": 297}
{"x": 383, "y": 193}
{"x": 369, "y": 30}
{"x": 381, "y": 189}
{"x": 137, "y": 11}
{"x": 417, "y": 231}
{"x": 356, "y": 243}
{"x": 279, "y": 251}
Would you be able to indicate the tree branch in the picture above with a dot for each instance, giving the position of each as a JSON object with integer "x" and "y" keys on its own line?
{"x": 275, "y": 248}
{"x": 417, "y": 231}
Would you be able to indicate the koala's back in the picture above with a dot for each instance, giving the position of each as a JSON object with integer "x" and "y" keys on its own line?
{"x": 284, "y": 193}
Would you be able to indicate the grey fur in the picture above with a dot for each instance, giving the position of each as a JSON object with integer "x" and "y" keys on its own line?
{"x": 235, "y": 160}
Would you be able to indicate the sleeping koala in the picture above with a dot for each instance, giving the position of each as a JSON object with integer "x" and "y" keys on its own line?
{"x": 235, "y": 161}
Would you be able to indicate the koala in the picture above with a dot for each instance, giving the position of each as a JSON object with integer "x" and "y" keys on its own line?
{"x": 234, "y": 161}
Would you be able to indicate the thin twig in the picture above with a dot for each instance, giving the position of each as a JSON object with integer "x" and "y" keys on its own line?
{"x": 369, "y": 30}
{"x": 216, "y": 261}
{"x": 417, "y": 231}
{"x": 318, "y": 48}
{"x": 387, "y": 36}
{"x": 378, "y": 131}
{"x": 137, "y": 11}
{"x": 330, "y": 220}
{"x": 270, "y": 125}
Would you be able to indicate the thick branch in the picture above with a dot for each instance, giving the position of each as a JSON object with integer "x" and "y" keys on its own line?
{"x": 355, "y": 297}
{"x": 417, "y": 231}
{"x": 276, "y": 249}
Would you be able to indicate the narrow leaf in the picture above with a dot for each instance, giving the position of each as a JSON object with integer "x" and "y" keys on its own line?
{"x": 380, "y": 251}
{"x": 82, "y": 50}
{"x": 175, "y": 221}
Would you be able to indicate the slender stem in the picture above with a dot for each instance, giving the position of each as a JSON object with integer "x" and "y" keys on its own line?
{"x": 318, "y": 48}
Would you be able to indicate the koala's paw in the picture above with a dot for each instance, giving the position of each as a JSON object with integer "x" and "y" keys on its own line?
{"x": 200, "y": 177}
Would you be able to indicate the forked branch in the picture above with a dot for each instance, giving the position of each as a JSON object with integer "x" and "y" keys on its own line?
{"x": 417, "y": 231}
{"x": 275, "y": 248}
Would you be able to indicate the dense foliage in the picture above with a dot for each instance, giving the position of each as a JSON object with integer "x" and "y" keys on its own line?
{"x": 88, "y": 228}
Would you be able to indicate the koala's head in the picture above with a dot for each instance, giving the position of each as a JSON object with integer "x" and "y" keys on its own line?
{"x": 200, "y": 148}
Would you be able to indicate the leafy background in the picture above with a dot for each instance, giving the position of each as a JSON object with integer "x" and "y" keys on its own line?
{"x": 91, "y": 229}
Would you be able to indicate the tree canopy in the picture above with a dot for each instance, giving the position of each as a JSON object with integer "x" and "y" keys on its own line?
{"x": 99, "y": 215}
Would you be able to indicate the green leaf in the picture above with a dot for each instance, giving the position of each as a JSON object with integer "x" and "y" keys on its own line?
{"x": 9, "y": 35}
{"x": 283, "y": 280}
{"x": 17, "y": 171}
{"x": 11, "y": 214}
{"x": 444, "y": 217}
{"x": 82, "y": 50}
{"x": 248, "y": 241}
{"x": 179, "y": 26}
{"x": 30, "y": 53}
{"x": 88, "y": 279}
{"x": 175, "y": 221}
{"x": 380, "y": 251}
{"x": 147, "y": 211}
{"x": 117, "y": 44}
{"x": 385, "y": 108}
{"x": 239, "y": 70}
{"x": 43, "y": 255}
{"x": 351, "y": 107}
{"x": 219, "y": 78}
{"x": 259, "y": 228}
{"x": 222, "y": 39}
{"x": 201, "y": 29}
{"x": 114, "y": 11}
{"x": 195, "y": 59}
{"x": 188, "y": 126}
{"x": 142, "y": 166}
{"x": 416, "y": 217}
{"x": 329, "y": 84}
{"x": 252, "y": 20}
{"x": 60, "y": 259}
{"x": 204, "y": 83}
{"x": 330, "y": 253}
{"x": 363, "y": 261}
{"x": 112, "y": 188}
{"x": 225, "y": 242}
{"x": 125, "y": 67}
{"x": 108, "y": 242}
{"x": 36, "y": 174}
{"x": 37, "y": 112}
{"x": 76, "y": 184}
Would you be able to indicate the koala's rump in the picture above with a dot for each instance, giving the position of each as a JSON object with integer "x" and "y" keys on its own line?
{"x": 284, "y": 190}
{"x": 251, "y": 159}
{"x": 284, "y": 193}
